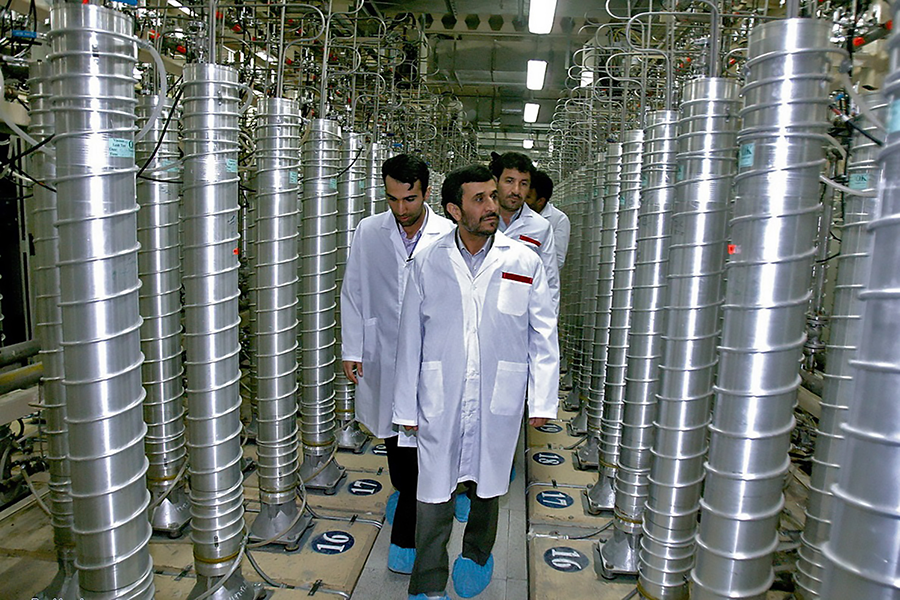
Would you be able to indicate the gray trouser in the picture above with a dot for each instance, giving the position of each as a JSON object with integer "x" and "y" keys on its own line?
{"x": 434, "y": 523}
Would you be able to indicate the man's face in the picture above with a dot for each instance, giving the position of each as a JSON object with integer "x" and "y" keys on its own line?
{"x": 512, "y": 189}
{"x": 478, "y": 214}
{"x": 407, "y": 204}
{"x": 534, "y": 203}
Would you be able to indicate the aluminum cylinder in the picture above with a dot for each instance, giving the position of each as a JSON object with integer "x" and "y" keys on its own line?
{"x": 159, "y": 267}
{"x": 350, "y": 201}
{"x": 210, "y": 118}
{"x": 376, "y": 155}
{"x": 48, "y": 318}
{"x": 92, "y": 58}
{"x": 620, "y": 311}
{"x": 773, "y": 230}
{"x": 864, "y": 536}
{"x": 606, "y": 262}
{"x": 321, "y": 161}
{"x": 705, "y": 165}
{"x": 853, "y": 266}
{"x": 276, "y": 277}
{"x": 647, "y": 318}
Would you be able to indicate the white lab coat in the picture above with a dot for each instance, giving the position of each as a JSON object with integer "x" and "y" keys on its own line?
{"x": 536, "y": 232}
{"x": 469, "y": 348}
{"x": 374, "y": 281}
{"x": 559, "y": 222}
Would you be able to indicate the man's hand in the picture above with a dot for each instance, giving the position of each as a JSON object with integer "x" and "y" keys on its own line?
{"x": 411, "y": 427}
{"x": 538, "y": 421}
{"x": 353, "y": 370}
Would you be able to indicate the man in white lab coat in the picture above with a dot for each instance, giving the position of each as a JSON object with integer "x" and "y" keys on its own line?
{"x": 538, "y": 199}
{"x": 371, "y": 296}
{"x": 513, "y": 172}
{"x": 478, "y": 328}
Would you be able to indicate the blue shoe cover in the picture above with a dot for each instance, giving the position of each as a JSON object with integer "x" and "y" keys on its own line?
{"x": 437, "y": 596}
{"x": 391, "y": 508}
{"x": 462, "y": 508}
{"x": 470, "y": 578}
{"x": 400, "y": 560}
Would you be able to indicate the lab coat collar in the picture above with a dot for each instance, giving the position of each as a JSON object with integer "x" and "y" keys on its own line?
{"x": 501, "y": 244}
{"x": 431, "y": 227}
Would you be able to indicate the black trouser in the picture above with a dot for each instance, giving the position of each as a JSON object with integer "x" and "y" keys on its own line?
{"x": 403, "y": 464}
{"x": 432, "y": 567}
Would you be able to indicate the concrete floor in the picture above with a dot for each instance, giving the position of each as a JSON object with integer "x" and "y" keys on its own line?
{"x": 510, "y": 581}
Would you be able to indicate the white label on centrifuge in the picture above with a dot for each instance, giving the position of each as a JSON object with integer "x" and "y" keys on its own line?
{"x": 746, "y": 156}
{"x": 121, "y": 148}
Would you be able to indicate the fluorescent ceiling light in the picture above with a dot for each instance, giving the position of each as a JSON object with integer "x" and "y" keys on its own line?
{"x": 261, "y": 54}
{"x": 180, "y": 7}
{"x": 535, "y": 77}
{"x": 528, "y": 144}
{"x": 531, "y": 112}
{"x": 540, "y": 16}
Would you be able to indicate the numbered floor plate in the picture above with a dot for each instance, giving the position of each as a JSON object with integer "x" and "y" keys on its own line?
{"x": 563, "y": 569}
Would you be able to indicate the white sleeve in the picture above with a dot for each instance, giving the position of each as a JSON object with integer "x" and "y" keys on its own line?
{"x": 548, "y": 257}
{"x": 409, "y": 354}
{"x": 543, "y": 351}
{"x": 561, "y": 238}
{"x": 351, "y": 303}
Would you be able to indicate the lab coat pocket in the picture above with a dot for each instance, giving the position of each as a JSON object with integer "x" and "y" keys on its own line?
{"x": 512, "y": 297}
{"x": 370, "y": 339}
{"x": 509, "y": 388}
{"x": 431, "y": 389}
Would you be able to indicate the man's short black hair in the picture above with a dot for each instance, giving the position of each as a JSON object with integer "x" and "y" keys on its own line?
{"x": 406, "y": 168}
{"x": 451, "y": 190}
{"x": 542, "y": 185}
{"x": 510, "y": 160}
